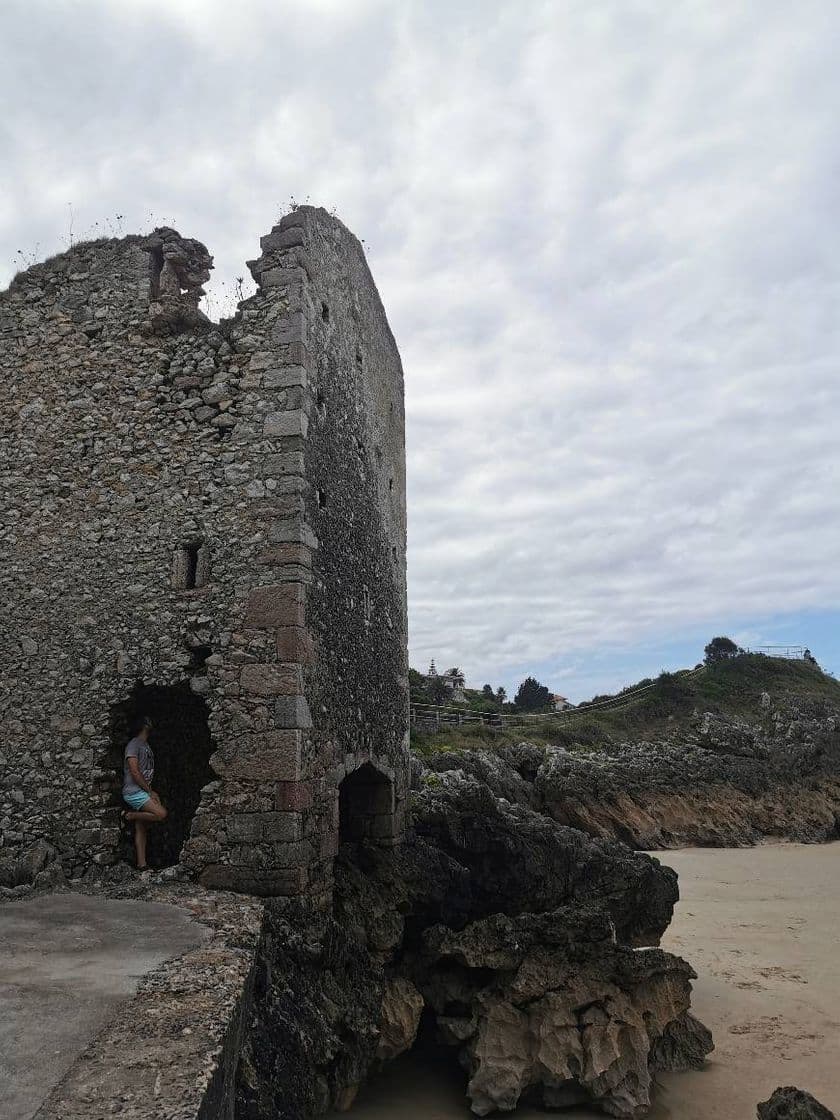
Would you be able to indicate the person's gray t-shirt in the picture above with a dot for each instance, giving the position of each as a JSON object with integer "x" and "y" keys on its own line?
{"x": 139, "y": 749}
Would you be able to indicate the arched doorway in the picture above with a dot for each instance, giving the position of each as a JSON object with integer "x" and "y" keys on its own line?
{"x": 182, "y": 747}
{"x": 366, "y": 807}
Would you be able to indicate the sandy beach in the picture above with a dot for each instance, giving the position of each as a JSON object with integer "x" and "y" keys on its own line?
{"x": 760, "y": 925}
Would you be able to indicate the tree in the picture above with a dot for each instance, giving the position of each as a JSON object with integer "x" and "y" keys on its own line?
{"x": 488, "y": 693}
{"x": 417, "y": 687}
{"x": 673, "y": 687}
{"x": 720, "y": 649}
{"x": 501, "y": 695}
{"x": 531, "y": 696}
{"x": 438, "y": 691}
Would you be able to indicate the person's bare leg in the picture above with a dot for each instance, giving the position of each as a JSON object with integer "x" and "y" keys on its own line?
{"x": 156, "y": 806}
{"x": 151, "y": 813}
{"x": 140, "y": 842}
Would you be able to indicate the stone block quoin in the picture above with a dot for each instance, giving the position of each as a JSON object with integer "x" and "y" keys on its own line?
{"x": 216, "y": 507}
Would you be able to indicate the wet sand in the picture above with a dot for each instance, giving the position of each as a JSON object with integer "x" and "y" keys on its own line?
{"x": 762, "y": 928}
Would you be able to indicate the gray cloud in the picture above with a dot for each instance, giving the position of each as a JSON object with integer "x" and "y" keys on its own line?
{"x": 606, "y": 236}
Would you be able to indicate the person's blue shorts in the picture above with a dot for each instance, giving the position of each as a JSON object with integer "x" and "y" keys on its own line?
{"x": 136, "y": 800}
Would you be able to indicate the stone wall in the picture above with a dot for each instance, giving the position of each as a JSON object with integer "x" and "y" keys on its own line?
{"x": 219, "y": 508}
{"x": 173, "y": 1049}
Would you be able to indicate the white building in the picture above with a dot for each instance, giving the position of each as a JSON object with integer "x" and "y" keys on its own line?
{"x": 453, "y": 679}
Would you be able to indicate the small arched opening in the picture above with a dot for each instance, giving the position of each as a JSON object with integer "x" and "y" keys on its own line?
{"x": 366, "y": 807}
{"x": 181, "y": 743}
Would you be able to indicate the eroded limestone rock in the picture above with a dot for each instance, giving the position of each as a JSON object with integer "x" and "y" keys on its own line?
{"x": 515, "y": 933}
{"x": 552, "y": 1010}
{"x": 683, "y": 1045}
{"x": 402, "y": 1006}
{"x": 716, "y": 781}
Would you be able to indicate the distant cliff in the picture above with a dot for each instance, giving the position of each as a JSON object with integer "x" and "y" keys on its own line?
{"x": 747, "y": 750}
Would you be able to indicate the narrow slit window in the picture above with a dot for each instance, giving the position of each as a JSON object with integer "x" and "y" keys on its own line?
{"x": 325, "y": 313}
{"x": 191, "y": 566}
{"x": 322, "y": 499}
{"x": 191, "y": 572}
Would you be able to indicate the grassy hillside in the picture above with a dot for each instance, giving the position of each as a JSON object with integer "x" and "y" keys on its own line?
{"x": 731, "y": 688}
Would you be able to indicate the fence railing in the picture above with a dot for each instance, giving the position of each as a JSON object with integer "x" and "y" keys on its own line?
{"x": 791, "y": 653}
{"x": 435, "y": 717}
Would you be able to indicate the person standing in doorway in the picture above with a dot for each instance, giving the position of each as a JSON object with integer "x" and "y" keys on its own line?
{"x": 144, "y": 805}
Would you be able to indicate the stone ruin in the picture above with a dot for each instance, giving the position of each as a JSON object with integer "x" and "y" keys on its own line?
{"x": 204, "y": 523}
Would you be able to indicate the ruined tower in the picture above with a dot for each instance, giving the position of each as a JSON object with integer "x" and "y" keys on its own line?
{"x": 204, "y": 523}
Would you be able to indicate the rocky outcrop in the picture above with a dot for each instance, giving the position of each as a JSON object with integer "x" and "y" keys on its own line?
{"x": 520, "y": 942}
{"x": 402, "y": 1006}
{"x": 683, "y": 1045}
{"x": 712, "y": 816}
{"x": 38, "y": 866}
{"x": 530, "y": 945}
{"x": 551, "y": 1009}
{"x": 788, "y": 1103}
{"x": 512, "y": 860}
{"x": 315, "y": 1025}
{"x": 717, "y": 782}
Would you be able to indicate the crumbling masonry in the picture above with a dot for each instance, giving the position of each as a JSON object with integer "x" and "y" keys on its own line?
{"x": 204, "y": 523}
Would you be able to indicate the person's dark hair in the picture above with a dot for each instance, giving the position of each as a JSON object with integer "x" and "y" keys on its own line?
{"x": 139, "y": 723}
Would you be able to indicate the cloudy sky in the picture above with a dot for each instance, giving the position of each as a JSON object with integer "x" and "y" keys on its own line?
{"x": 606, "y": 233}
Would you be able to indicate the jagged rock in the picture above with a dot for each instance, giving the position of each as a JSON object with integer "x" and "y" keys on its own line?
{"x": 496, "y": 771}
{"x": 402, "y": 1006}
{"x": 23, "y": 870}
{"x": 683, "y": 1045}
{"x": 514, "y": 931}
{"x": 715, "y": 782}
{"x": 789, "y": 1103}
{"x": 519, "y": 861}
{"x": 548, "y": 1007}
{"x": 316, "y": 1010}
{"x": 181, "y": 265}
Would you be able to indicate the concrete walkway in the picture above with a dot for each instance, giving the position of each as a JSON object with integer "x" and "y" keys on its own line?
{"x": 67, "y": 961}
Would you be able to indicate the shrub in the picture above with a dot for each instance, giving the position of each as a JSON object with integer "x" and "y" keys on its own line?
{"x": 720, "y": 649}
